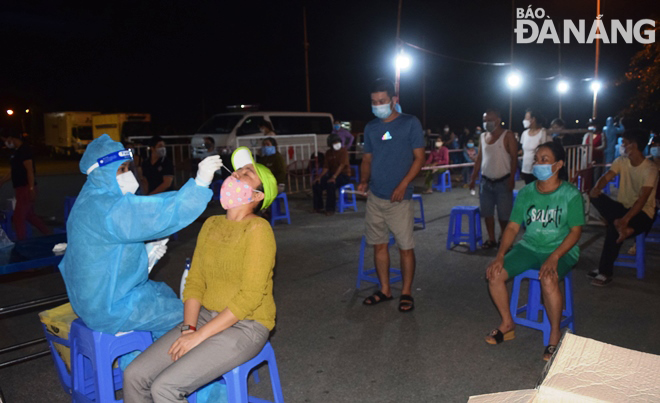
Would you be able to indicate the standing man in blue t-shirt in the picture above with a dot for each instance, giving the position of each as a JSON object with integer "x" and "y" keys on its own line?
{"x": 393, "y": 156}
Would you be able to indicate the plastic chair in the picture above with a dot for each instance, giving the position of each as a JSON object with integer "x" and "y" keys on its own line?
{"x": 443, "y": 183}
{"x": 236, "y": 379}
{"x": 455, "y": 235}
{"x": 280, "y": 209}
{"x": 92, "y": 357}
{"x": 347, "y": 200}
{"x": 636, "y": 261}
{"x": 355, "y": 170}
{"x": 534, "y": 305}
{"x": 420, "y": 220}
{"x": 369, "y": 275}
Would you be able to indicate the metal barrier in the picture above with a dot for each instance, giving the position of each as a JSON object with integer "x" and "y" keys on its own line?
{"x": 181, "y": 156}
{"x": 298, "y": 152}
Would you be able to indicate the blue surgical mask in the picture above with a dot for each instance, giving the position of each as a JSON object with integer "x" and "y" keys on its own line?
{"x": 397, "y": 107}
{"x": 470, "y": 145}
{"x": 543, "y": 172}
{"x": 337, "y": 127}
{"x": 382, "y": 111}
{"x": 268, "y": 150}
{"x": 655, "y": 151}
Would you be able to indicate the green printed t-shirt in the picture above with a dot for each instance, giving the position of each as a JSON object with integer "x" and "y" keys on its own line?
{"x": 548, "y": 217}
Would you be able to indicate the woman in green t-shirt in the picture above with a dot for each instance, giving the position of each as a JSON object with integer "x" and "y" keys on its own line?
{"x": 552, "y": 211}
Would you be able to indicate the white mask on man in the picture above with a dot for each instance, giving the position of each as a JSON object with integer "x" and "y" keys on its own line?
{"x": 336, "y": 146}
{"x": 127, "y": 183}
{"x": 526, "y": 123}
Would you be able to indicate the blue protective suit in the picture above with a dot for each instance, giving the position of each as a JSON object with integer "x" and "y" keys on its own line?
{"x": 611, "y": 133}
{"x": 105, "y": 264}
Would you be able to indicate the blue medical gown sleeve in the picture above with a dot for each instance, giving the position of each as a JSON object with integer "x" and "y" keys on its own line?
{"x": 143, "y": 218}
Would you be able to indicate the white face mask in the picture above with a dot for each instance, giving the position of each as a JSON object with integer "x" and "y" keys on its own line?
{"x": 622, "y": 151}
{"x": 438, "y": 144}
{"x": 526, "y": 123}
{"x": 446, "y": 129}
{"x": 489, "y": 126}
{"x": 336, "y": 146}
{"x": 9, "y": 144}
{"x": 127, "y": 183}
{"x": 162, "y": 152}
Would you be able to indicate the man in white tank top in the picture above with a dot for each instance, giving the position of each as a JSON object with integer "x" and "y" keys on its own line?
{"x": 498, "y": 162}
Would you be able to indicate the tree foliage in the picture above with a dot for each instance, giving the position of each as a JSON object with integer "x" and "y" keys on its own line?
{"x": 644, "y": 70}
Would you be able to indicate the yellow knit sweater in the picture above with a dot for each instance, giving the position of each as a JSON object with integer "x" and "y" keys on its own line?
{"x": 233, "y": 268}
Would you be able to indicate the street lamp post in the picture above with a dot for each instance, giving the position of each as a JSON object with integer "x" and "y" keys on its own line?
{"x": 513, "y": 80}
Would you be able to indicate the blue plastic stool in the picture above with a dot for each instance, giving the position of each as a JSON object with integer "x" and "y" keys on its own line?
{"x": 92, "y": 357}
{"x": 420, "y": 220}
{"x": 636, "y": 261}
{"x": 236, "y": 379}
{"x": 369, "y": 275}
{"x": 62, "y": 371}
{"x": 355, "y": 171}
{"x": 534, "y": 306}
{"x": 216, "y": 186}
{"x": 347, "y": 200}
{"x": 279, "y": 209}
{"x": 515, "y": 194}
{"x": 455, "y": 235}
{"x": 517, "y": 176}
{"x": 443, "y": 183}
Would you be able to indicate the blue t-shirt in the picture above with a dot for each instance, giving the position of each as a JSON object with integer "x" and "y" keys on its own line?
{"x": 391, "y": 146}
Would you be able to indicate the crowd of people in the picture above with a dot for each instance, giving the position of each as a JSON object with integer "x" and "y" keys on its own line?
{"x": 228, "y": 309}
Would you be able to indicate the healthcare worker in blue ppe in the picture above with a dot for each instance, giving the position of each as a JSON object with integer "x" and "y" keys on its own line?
{"x": 611, "y": 131}
{"x": 105, "y": 267}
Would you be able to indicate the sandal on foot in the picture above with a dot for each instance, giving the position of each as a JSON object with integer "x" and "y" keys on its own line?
{"x": 549, "y": 351}
{"x": 496, "y": 336}
{"x": 489, "y": 245}
{"x": 371, "y": 300}
{"x": 406, "y": 303}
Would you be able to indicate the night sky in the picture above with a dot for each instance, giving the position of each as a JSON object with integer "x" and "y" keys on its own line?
{"x": 183, "y": 61}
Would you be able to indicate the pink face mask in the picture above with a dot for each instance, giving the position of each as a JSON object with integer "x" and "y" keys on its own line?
{"x": 235, "y": 193}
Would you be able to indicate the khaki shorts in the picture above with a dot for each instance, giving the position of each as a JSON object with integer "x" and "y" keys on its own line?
{"x": 384, "y": 217}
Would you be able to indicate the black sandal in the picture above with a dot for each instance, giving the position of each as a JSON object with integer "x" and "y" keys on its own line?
{"x": 371, "y": 300}
{"x": 549, "y": 352}
{"x": 499, "y": 337}
{"x": 489, "y": 245}
{"x": 406, "y": 303}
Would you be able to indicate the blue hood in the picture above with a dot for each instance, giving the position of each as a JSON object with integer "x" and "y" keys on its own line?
{"x": 105, "y": 177}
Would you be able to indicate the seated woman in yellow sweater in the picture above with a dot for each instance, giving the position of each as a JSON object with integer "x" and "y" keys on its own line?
{"x": 229, "y": 309}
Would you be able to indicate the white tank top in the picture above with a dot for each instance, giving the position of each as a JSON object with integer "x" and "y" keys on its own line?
{"x": 495, "y": 160}
{"x": 529, "y": 144}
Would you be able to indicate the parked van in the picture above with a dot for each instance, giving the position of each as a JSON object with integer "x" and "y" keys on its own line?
{"x": 226, "y": 128}
{"x": 68, "y": 132}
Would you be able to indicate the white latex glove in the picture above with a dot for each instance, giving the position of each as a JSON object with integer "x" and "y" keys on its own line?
{"x": 206, "y": 169}
{"x": 155, "y": 251}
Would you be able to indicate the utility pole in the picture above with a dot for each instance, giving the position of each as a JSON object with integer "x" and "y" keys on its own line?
{"x": 399, "y": 46}
{"x": 306, "y": 45}
{"x": 513, "y": 21}
{"x": 593, "y": 112}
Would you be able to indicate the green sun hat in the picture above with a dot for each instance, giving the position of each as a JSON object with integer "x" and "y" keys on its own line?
{"x": 241, "y": 157}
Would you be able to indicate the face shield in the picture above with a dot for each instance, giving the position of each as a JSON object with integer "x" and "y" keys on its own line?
{"x": 126, "y": 173}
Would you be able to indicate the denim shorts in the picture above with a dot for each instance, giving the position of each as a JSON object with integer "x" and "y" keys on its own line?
{"x": 495, "y": 194}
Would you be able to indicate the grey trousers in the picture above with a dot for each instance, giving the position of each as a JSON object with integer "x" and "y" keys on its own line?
{"x": 154, "y": 377}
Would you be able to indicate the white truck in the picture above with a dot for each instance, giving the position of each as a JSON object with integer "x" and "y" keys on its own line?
{"x": 68, "y": 132}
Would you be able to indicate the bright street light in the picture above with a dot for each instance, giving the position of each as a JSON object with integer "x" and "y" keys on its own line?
{"x": 27, "y": 111}
{"x": 562, "y": 87}
{"x": 577, "y": 121}
{"x": 402, "y": 61}
{"x": 514, "y": 80}
{"x": 10, "y": 112}
{"x": 596, "y": 86}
